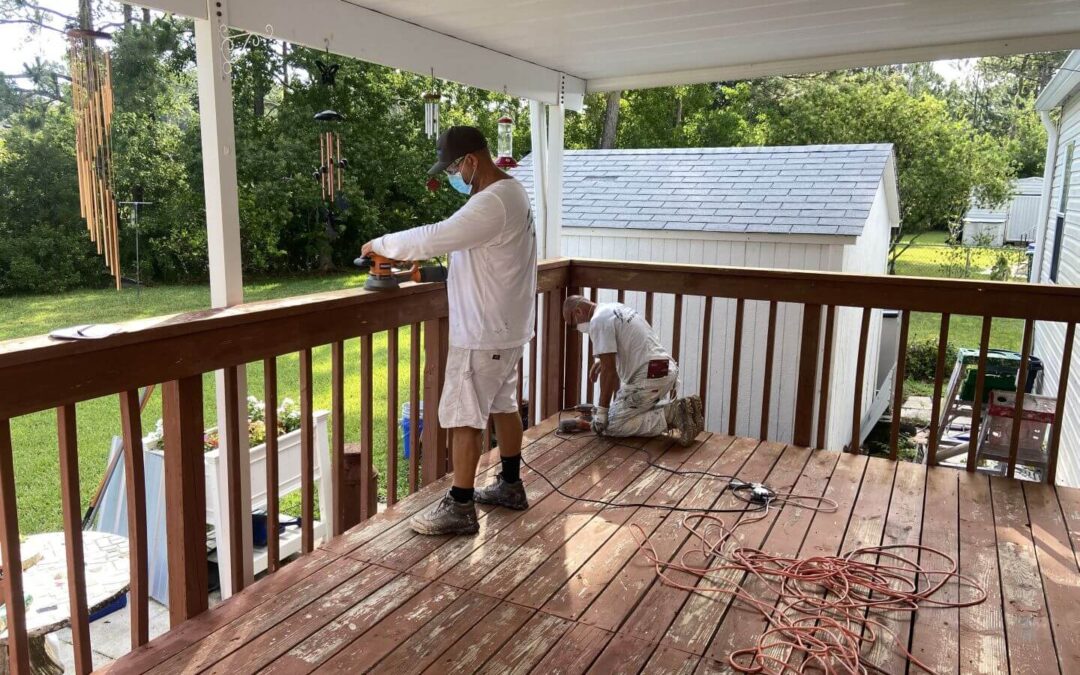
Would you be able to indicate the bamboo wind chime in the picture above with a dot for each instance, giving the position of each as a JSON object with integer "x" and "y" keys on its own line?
{"x": 331, "y": 164}
{"x": 91, "y": 93}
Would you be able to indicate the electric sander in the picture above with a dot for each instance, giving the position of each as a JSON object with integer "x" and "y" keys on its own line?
{"x": 383, "y": 275}
{"x": 581, "y": 422}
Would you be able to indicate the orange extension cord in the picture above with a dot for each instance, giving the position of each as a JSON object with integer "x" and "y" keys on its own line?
{"x": 817, "y": 609}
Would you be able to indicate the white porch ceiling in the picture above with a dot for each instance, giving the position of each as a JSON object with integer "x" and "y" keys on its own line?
{"x": 616, "y": 44}
{"x": 623, "y": 44}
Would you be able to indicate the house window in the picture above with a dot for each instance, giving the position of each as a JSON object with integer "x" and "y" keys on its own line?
{"x": 1059, "y": 225}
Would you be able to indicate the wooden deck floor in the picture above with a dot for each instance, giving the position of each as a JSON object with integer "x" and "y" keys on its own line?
{"x": 560, "y": 587}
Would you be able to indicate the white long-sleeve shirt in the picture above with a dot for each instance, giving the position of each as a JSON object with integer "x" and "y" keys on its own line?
{"x": 491, "y": 289}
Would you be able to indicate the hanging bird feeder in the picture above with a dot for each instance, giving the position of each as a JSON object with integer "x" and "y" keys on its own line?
{"x": 505, "y": 160}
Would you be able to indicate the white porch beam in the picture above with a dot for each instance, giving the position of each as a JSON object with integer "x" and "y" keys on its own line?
{"x": 226, "y": 278}
{"x": 538, "y": 124}
{"x": 553, "y": 229}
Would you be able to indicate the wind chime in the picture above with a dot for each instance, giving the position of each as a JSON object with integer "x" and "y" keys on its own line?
{"x": 91, "y": 93}
{"x": 432, "y": 101}
{"x": 332, "y": 164}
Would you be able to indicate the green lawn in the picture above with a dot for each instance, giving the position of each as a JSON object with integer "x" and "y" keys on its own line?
{"x": 34, "y": 436}
{"x": 931, "y": 258}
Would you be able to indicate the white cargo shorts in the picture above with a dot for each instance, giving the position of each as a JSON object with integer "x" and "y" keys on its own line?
{"x": 479, "y": 382}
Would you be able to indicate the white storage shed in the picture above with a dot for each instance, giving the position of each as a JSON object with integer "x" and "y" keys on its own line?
{"x": 825, "y": 207}
{"x": 1012, "y": 223}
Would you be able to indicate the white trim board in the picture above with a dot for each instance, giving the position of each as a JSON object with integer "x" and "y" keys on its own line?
{"x": 699, "y": 235}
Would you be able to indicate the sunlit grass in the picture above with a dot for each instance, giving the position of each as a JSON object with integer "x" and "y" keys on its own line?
{"x": 34, "y": 436}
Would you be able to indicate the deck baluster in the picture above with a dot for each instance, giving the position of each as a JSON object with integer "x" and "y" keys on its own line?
{"x": 67, "y": 435}
{"x": 307, "y": 455}
{"x": 273, "y": 544}
{"x": 826, "y": 377}
{"x": 939, "y": 379}
{"x": 980, "y": 392}
{"x": 1059, "y": 410}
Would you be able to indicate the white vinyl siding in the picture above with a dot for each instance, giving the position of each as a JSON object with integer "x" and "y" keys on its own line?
{"x": 1050, "y": 337}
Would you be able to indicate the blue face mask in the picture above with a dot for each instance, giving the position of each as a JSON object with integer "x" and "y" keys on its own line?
{"x": 459, "y": 184}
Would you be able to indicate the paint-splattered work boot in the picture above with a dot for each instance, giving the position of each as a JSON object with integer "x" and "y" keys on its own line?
{"x": 446, "y": 516}
{"x": 502, "y": 493}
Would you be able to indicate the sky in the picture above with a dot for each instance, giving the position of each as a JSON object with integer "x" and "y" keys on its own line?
{"x": 19, "y": 47}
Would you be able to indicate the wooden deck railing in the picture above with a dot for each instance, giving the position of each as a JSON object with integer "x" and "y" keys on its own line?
{"x": 820, "y": 296}
{"x": 39, "y": 374}
{"x": 720, "y": 312}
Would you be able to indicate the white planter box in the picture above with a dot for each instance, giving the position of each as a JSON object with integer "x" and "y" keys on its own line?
{"x": 288, "y": 482}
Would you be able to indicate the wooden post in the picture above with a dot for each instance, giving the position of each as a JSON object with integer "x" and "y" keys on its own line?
{"x": 224, "y": 257}
{"x": 807, "y": 383}
{"x": 860, "y": 377}
{"x": 553, "y": 349}
{"x": 185, "y": 492}
{"x": 135, "y": 481}
{"x": 337, "y": 448}
{"x": 307, "y": 455}
{"x": 67, "y": 435}
{"x": 433, "y": 441}
{"x": 18, "y": 650}
{"x": 572, "y": 371}
{"x": 367, "y": 417}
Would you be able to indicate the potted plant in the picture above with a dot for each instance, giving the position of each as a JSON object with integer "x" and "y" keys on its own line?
{"x": 289, "y": 456}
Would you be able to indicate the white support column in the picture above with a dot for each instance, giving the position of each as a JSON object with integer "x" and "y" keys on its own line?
{"x": 553, "y": 229}
{"x": 223, "y": 243}
{"x": 538, "y": 122}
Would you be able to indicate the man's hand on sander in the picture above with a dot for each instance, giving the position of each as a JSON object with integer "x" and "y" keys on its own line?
{"x": 366, "y": 250}
{"x": 599, "y": 420}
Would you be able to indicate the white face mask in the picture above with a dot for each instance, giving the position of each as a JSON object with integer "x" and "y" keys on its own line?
{"x": 583, "y": 327}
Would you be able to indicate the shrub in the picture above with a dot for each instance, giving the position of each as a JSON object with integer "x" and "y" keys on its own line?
{"x": 922, "y": 359}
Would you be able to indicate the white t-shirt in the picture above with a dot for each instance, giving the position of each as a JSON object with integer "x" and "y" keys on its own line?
{"x": 491, "y": 289}
{"x": 616, "y": 328}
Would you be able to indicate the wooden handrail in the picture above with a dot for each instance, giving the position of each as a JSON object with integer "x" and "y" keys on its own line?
{"x": 918, "y": 294}
{"x": 162, "y": 349}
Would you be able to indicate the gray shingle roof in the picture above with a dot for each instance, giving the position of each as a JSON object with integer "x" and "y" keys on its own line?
{"x": 814, "y": 189}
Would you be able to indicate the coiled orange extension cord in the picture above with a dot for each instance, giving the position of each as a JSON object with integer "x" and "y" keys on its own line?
{"x": 822, "y": 613}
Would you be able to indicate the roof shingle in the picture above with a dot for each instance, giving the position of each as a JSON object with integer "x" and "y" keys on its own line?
{"x": 813, "y": 189}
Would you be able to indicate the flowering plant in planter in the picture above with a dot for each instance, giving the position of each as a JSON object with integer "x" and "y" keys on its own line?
{"x": 288, "y": 419}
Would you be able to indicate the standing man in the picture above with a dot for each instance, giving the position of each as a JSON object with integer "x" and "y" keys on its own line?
{"x": 491, "y": 293}
{"x": 637, "y": 376}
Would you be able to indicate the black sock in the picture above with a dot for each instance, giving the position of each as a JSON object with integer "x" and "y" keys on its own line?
{"x": 461, "y": 495}
{"x": 511, "y": 469}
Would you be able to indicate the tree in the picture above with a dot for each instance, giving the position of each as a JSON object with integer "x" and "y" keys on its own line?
{"x": 942, "y": 162}
{"x": 611, "y": 120}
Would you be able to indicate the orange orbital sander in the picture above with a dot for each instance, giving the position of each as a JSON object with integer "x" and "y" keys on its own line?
{"x": 385, "y": 274}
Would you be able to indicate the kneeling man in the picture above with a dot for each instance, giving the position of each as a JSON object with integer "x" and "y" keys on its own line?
{"x": 637, "y": 376}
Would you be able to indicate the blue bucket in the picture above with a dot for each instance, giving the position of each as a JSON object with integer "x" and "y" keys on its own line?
{"x": 406, "y": 425}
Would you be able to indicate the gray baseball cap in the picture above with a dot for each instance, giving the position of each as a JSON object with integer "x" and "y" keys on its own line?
{"x": 455, "y": 143}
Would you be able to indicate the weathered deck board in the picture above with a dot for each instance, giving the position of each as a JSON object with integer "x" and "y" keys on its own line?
{"x": 561, "y": 588}
{"x": 742, "y": 625}
{"x": 936, "y": 637}
{"x": 982, "y": 628}
{"x": 903, "y": 527}
{"x": 698, "y": 614}
{"x": 1057, "y": 565}
{"x": 1027, "y": 624}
